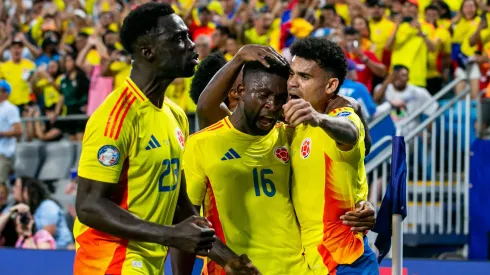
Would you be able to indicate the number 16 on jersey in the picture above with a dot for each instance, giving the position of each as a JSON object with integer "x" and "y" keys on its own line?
{"x": 263, "y": 183}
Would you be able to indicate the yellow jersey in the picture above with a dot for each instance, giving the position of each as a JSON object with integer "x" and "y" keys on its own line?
{"x": 380, "y": 32}
{"x": 411, "y": 51}
{"x": 443, "y": 48}
{"x": 17, "y": 75}
{"x": 326, "y": 183}
{"x": 243, "y": 183}
{"x": 130, "y": 142}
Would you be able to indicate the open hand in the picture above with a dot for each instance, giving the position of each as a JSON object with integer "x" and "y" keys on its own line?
{"x": 249, "y": 53}
{"x": 298, "y": 111}
{"x": 362, "y": 218}
{"x": 241, "y": 266}
{"x": 193, "y": 236}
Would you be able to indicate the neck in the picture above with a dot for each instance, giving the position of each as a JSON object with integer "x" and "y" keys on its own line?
{"x": 239, "y": 121}
{"x": 150, "y": 83}
{"x": 16, "y": 61}
{"x": 260, "y": 31}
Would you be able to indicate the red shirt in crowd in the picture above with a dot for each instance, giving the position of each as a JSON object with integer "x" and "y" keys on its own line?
{"x": 364, "y": 74}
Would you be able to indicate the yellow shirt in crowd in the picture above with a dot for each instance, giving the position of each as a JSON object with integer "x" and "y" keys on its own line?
{"x": 380, "y": 32}
{"x": 17, "y": 75}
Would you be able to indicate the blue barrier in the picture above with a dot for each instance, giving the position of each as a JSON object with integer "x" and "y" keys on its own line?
{"x": 60, "y": 262}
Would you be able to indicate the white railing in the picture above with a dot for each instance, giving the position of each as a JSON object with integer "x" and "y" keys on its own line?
{"x": 437, "y": 168}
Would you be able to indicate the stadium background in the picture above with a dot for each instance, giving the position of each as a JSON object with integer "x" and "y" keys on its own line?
{"x": 61, "y": 58}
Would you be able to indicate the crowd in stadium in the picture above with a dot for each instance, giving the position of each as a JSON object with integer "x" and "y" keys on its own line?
{"x": 62, "y": 58}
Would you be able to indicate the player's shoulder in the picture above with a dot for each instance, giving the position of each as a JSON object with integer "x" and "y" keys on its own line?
{"x": 118, "y": 110}
{"x": 219, "y": 127}
{"x": 176, "y": 110}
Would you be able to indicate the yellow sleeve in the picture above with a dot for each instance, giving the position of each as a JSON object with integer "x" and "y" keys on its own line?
{"x": 36, "y": 31}
{"x": 404, "y": 33}
{"x": 103, "y": 157}
{"x": 194, "y": 172}
{"x": 359, "y": 148}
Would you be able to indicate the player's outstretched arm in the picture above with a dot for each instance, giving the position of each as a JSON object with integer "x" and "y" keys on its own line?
{"x": 208, "y": 107}
{"x": 340, "y": 129}
{"x": 96, "y": 210}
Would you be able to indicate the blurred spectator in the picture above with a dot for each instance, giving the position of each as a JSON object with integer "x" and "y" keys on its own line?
{"x": 203, "y": 46}
{"x": 468, "y": 58}
{"x": 73, "y": 87}
{"x": 264, "y": 29}
{"x": 49, "y": 51}
{"x": 411, "y": 42}
{"x": 328, "y": 22}
{"x": 367, "y": 63}
{"x": 10, "y": 130}
{"x": 29, "y": 237}
{"x": 232, "y": 47}
{"x": 17, "y": 72}
{"x": 352, "y": 88}
{"x": 404, "y": 98}
{"x": 381, "y": 29}
{"x": 439, "y": 60}
{"x": 47, "y": 213}
{"x": 4, "y": 195}
{"x": 203, "y": 26}
{"x": 220, "y": 36}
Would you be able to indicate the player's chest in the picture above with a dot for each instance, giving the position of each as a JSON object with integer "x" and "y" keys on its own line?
{"x": 309, "y": 147}
{"x": 159, "y": 139}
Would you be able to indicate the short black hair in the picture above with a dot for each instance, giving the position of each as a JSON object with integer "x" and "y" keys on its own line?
{"x": 351, "y": 31}
{"x": 257, "y": 67}
{"x": 399, "y": 67}
{"x": 223, "y": 30}
{"x": 431, "y": 7}
{"x": 327, "y": 54}
{"x": 141, "y": 21}
{"x": 330, "y": 7}
{"x": 205, "y": 72}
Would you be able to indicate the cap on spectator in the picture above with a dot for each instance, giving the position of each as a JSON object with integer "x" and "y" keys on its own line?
{"x": 49, "y": 41}
{"x": 351, "y": 65}
{"x": 413, "y": 2}
{"x": 216, "y": 7}
{"x": 5, "y": 86}
{"x": 80, "y": 13}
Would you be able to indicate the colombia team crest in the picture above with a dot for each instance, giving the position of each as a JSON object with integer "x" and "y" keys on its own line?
{"x": 180, "y": 137}
{"x": 282, "y": 154}
{"x": 305, "y": 148}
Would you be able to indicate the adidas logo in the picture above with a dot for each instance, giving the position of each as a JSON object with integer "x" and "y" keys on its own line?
{"x": 153, "y": 143}
{"x": 231, "y": 154}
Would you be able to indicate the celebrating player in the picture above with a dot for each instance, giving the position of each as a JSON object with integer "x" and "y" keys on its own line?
{"x": 130, "y": 168}
{"x": 327, "y": 154}
{"x": 204, "y": 73}
{"x": 239, "y": 168}
{"x": 239, "y": 163}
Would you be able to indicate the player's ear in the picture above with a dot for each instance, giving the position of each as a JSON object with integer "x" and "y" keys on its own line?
{"x": 332, "y": 85}
{"x": 147, "y": 52}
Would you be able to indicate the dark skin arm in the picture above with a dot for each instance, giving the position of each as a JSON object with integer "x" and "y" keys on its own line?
{"x": 96, "y": 210}
{"x": 208, "y": 107}
{"x": 183, "y": 262}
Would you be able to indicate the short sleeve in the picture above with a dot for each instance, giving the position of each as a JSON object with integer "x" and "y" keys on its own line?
{"x": 359, "y": 147}
{"x": 105, "y": 148}
{"x": 48, "y": 213}
{"x": 195, "y": 176}
{"x": 14, "y": 116}
{"x": 423, "y": 96}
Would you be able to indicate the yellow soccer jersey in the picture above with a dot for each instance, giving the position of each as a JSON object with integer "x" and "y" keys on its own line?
{"x": 130, "y": 142}
{"x": 326, "y": 183}
{"x": 243, "y": 182}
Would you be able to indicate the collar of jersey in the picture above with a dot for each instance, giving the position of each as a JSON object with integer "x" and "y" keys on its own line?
{"x": 133, "y": 87}
{"x": 242, "y": 134}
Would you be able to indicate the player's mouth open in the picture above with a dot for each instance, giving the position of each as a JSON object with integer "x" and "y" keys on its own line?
{"x": 266, "y": 121}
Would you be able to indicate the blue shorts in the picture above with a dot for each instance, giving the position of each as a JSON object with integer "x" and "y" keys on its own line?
{"x": 367, "y": 264}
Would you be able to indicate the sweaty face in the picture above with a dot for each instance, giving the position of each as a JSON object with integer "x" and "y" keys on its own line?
{"x": 174, "y": 52}
{"x": 265, "y": 94}
{"x": 309, "y": 82}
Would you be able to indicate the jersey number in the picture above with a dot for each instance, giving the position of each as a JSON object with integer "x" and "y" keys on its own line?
{"x": 168, "y": 164}
{"x": 268, "y": 186}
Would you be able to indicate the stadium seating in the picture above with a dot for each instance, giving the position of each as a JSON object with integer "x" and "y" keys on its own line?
{"x": 59, "y": 158}
{"x": 28, "y": 159}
